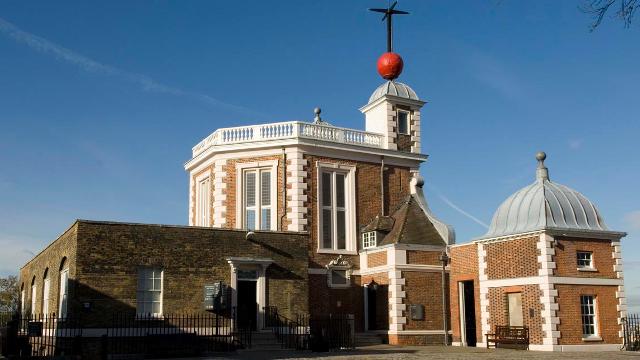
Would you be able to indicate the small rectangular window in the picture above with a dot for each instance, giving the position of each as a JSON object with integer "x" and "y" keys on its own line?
{"x": 403, "y": 122}
{"x": 588, "y": 312}
{"x": 585, "y": 259}
{"x": 45, "y": 296}
{"x": 149, "y": 294}
{"x": 369, "y": 240}
{"x": 34, "y": 292}
{"x": 339, "y": 277}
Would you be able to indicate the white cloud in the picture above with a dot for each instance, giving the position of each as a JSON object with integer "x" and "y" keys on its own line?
{"x": 89, "y": 65}
{"x": 633, "y": 219}
{"x": 456, "y": 207}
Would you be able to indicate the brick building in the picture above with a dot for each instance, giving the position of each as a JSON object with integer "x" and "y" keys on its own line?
{"x": 548, "y": 262}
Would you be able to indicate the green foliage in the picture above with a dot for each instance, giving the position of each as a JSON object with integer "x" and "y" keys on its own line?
{"x": 9, "y": 294}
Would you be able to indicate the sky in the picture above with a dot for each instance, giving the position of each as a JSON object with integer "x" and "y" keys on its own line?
{"x": 101, "y": 102}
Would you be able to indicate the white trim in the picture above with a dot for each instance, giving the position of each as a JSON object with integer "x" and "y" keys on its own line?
{"x": 582, "y": 348}
{"x": 536, "y": 280}
{"x": 257, "y": 166}
{"x": 402, "y": 267}
{"x": 461, "y": 314}
{"x": 219, "y": 196}
{"x": 548, "y": 293}
{"x": 396, "y": 300}
{"x": 63, "y": 293}
{"x": 204, "y": 186}
{"x": 351, "y": 232}
{"x": 296, "y": 198}
{"x": 484, "y": 290}
{"x": 418, "y": 332}
{"x": 260, "y": 265}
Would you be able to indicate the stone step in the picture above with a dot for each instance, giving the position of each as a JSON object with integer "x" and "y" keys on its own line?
{"x": 366, "y": 339}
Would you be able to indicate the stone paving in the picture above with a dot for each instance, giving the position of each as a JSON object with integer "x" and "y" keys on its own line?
{"x": 431, "y": 352}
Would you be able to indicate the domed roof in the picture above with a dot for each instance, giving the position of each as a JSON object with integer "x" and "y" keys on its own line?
{"x": 545, "y": 205}
{"x": 394, "y": 88}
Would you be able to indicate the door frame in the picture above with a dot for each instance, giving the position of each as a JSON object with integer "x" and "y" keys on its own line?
{"x": 259, "y": 265}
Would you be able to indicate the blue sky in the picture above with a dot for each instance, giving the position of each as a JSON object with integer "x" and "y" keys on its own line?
{"x": 101, "y": 102}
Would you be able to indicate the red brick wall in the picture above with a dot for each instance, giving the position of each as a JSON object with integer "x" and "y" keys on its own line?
{"x": 499, "y": 309}
{"x": 367, "y": 198}
{"x": 570, "y": 316}
{"x": 464, "y": 267}
{"x": 512, "y": 258}
{"x": 324, "y": 300}
{"x": 231, "y": 190}
{"x": 423, "y": 257}
{"x": 377, "y": 259}
{"x": 566, "y": 257}
{"x": 424, "y": 288}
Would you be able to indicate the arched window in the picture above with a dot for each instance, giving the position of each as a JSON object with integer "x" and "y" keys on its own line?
{"x": 63, "y": 291}
{"x": 46, "y": 285}
{"x": 22, "y": 299}
{"x": 34, "y": 294}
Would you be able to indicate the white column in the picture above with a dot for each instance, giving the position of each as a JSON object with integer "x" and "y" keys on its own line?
{"x": 296, "y": 192}
{"x": 548, "y": 299}
{"x": 219, "y": 196}
{"x": 396, "y": 301}
{"x": 620, "y": 294}
{"x": 484, "y": 293}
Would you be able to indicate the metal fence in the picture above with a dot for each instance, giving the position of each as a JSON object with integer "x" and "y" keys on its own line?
{"x": 631, "y": 332}
{"x": 125, "y": 336}
{"x": 291, "y": 334}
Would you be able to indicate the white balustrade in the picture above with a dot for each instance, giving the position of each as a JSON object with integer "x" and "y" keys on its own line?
{"x": 288, "y": 130}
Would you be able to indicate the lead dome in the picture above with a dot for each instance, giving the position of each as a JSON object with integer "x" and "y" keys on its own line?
{"x": 394, "y": 88}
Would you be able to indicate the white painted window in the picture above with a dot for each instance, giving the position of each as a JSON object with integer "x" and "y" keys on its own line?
{"x": 589, "y": 317}
{"x": 63, "y": 293}
{"x": 34, "y": 293}
{"x": 403, "y": 122}
{"x": 203, "y": 206}
{"x": 333, "y": 195}
{"x": 149, "y": 295}
{"x": 45, "y": 296}
{"x": 369, "y": 240}
{"x": 259, "y": 199}
{"x": 22, "y": 305}
{"x": 585, "y": 259}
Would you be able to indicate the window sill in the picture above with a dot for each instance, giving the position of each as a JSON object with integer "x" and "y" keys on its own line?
{"x": 587, "y": 269}
{"x": 342, "y": 252}
{"x": 591, "y": 338}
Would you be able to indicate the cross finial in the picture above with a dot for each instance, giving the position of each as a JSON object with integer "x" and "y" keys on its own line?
{"x": 388, "y": 14}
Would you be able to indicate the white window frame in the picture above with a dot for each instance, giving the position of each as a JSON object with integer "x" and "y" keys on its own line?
{"x": 369, "y": 240}
{"x": 141, "y": 290}
{"x": 203, "y": 199}
{"x": 589, "y": 267}
{"x": 257, "y": 166}
{"x": 34, "y": 297}
{"x": 351, "y": 233}
{"x": 22, "y": 299}
{"x": 408, "y": 122}
{"x": 594, "y": 316}
{"x": 63, "y": 293}
{"x": 46, "y": 291}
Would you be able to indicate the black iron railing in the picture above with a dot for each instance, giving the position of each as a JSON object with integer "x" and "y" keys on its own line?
{"x": 631, "y": 332}
{"x": 291, "y": 334}
{"x": 333, "y": 332}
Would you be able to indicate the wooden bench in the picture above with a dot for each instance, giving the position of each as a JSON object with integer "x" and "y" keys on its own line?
{"x": 515, "y": 337}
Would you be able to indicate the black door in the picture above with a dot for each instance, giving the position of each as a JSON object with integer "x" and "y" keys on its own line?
{"x": 371, "y": 308}
{"x": 247, "y": 306}
{"x": 469, "y": 313}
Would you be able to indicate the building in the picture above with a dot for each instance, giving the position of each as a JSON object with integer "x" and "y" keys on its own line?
{"x": 548, "y": 262}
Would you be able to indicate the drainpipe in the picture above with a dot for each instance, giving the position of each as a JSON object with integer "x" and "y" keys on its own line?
{"x": 284, "y": 189}
{"x": 445, "y": 260}
{"x": 381, "y": 185}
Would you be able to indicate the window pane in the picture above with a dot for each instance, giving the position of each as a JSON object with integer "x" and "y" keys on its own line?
{"x": 251, "y": 219}
{"x": 402, "y": 122}
{"x": 340, "y": 190}
{"x": 156, "y": 284}
{"x": 265, "y": 219}
{"x": 250, "y": 188}
{"x": 155, "y": 309}
{"x": 265, "y": 181}
{"x": 339, "y": 277}
{"x": 326, "y": 189}
{"x": 341, "y": 228}
{"x": 326, "y": 229}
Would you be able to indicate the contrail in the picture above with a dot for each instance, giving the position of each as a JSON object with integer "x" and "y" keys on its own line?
{"x": 456, "y": 207}
{"x": 89, "y": 65}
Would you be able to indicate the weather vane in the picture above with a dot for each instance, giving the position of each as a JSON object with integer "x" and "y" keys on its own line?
{"x": 390, "y": 64}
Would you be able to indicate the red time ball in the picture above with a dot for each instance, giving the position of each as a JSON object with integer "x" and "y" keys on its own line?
{"x": 390, "y": 65}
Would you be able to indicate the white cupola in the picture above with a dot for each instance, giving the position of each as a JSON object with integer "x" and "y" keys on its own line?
{"x": 394, "y": 111}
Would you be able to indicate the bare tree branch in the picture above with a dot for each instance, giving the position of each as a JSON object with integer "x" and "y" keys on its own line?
{"x": 599, "y": 8}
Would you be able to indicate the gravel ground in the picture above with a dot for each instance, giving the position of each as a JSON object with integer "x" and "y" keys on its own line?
{"x": 430, "y": 352}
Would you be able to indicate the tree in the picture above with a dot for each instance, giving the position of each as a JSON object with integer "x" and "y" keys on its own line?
{"x": 623, "y": 10}
{"x": 9, "y": 294}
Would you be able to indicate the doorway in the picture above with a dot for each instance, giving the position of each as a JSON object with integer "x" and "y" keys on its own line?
{"x": 467, "y": 313}
{"x": 514, "y": 302}
{"x": 247, "y": 305}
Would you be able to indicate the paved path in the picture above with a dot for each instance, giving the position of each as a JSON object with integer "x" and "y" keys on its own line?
{"x": 431, "y": 352}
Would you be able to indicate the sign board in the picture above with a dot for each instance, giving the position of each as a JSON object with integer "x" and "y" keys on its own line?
{"x": 34, "y": 328}
{"x": 215, "y": 296}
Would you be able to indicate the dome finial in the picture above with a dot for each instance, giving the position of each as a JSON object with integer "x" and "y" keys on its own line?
{"x": 317, "y": 119}
{"x": 542, "y": 173}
